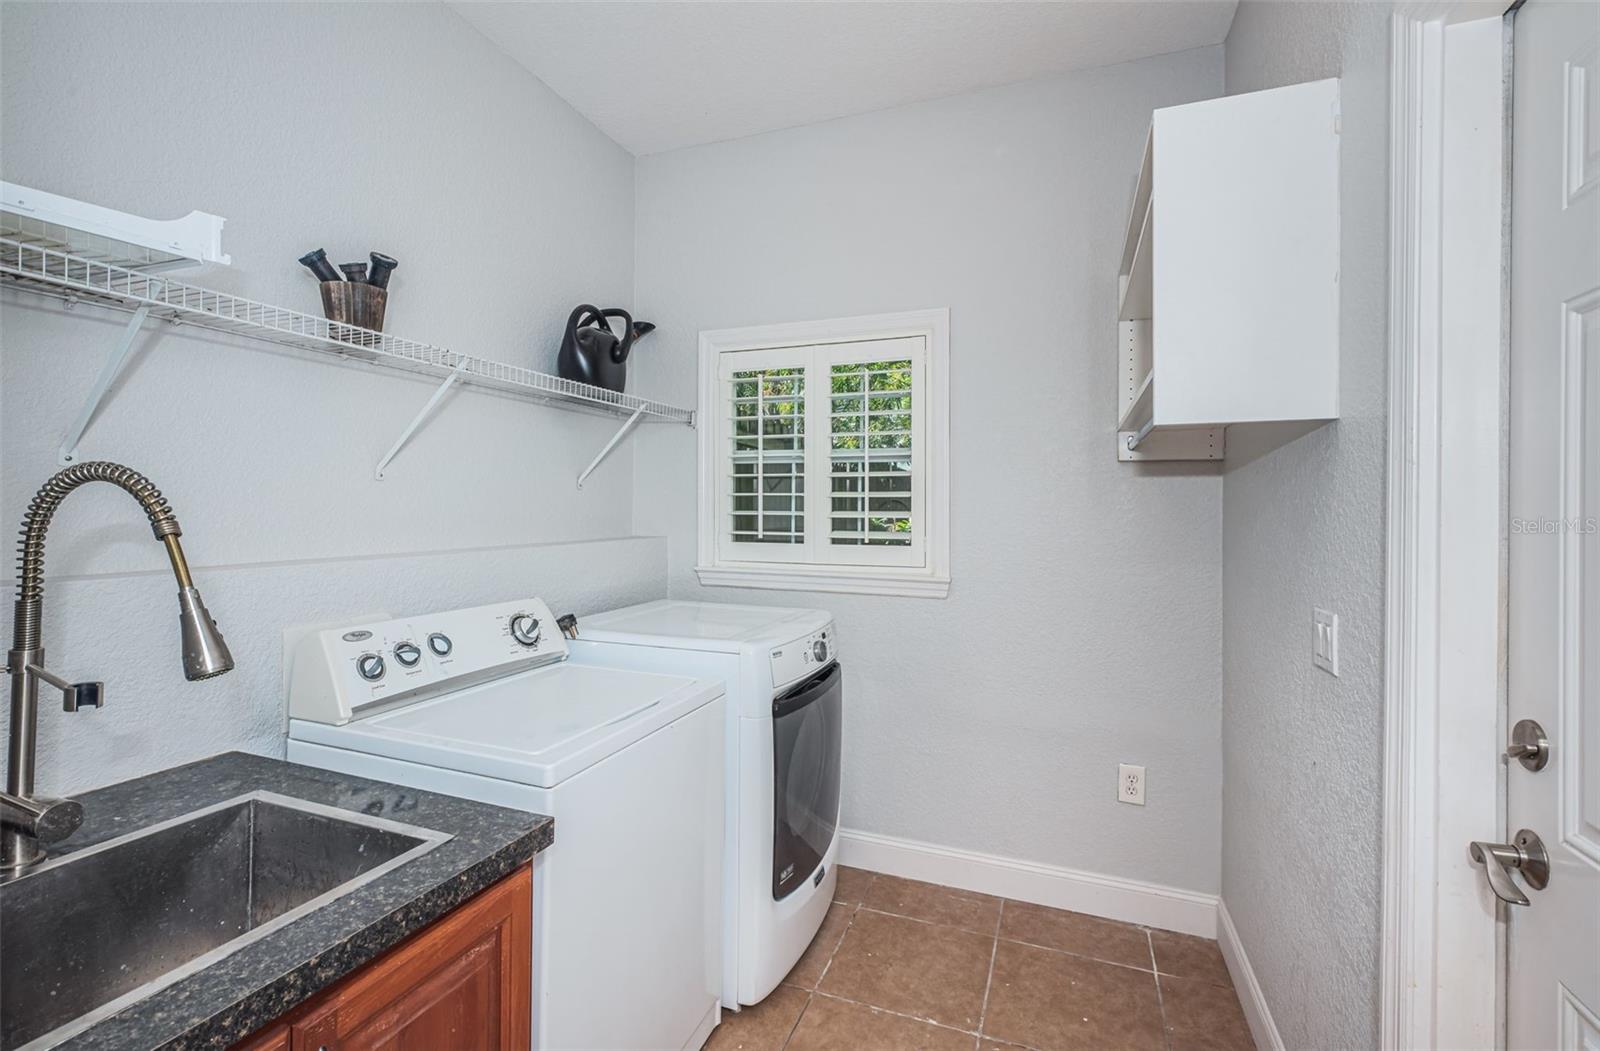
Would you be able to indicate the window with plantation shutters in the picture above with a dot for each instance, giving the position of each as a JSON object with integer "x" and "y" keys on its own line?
{"x": 823, "y": 465}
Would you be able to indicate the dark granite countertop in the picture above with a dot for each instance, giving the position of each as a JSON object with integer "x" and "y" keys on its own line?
{"x": 242, "y": 992}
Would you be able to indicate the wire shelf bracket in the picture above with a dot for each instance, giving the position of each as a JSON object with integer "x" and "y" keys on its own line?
{"x": 616, "y": 439}
{"x": 68, "y": 452}
{"x": 422, "y": 416}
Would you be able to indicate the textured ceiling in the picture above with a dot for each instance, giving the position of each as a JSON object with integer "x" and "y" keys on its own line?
{"x": 665, "y": 74}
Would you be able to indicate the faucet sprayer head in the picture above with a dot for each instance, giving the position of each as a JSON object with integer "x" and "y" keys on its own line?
{"x": 205, "y": 652}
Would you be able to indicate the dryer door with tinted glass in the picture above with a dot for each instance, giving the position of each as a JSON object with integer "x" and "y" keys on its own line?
{"x": 806, "y": 735}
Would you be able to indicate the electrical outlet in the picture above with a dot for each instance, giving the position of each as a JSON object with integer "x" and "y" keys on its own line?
{"x": 1130, "y": 784}
{"x": 1325, "y": 641}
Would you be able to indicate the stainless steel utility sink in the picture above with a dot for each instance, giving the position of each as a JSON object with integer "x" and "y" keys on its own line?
{"x": 89, "y": 933}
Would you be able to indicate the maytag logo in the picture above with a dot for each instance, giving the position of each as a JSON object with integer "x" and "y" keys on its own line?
{"x": 783, "y": 877}
{"x": 356, "y": 636}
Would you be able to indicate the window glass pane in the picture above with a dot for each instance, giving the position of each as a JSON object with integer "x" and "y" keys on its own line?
{"x": 870, "y": 427}
{"x": 768, "y": 456}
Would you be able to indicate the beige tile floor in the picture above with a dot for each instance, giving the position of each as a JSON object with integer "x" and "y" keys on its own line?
{"x": 905, "y": 966}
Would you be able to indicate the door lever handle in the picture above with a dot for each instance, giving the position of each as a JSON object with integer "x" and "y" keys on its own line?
{"x": 1526, "y": 854}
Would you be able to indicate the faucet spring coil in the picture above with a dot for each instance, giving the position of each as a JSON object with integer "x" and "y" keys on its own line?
{"x": 36, "y": 523}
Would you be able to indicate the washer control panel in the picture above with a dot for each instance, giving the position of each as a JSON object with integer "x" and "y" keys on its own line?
{"x": 803, "y": 656}
{"x": 338, "y": 674}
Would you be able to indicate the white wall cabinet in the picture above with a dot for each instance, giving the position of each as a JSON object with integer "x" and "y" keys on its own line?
{"x": 1229, "y": 280}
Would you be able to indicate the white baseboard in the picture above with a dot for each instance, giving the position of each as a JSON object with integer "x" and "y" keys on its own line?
{"x": 1115, "y": 898}
{"x": 1251, "y": 998}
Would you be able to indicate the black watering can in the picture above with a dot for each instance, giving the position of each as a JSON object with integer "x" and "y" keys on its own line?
{"x": 591, "y": 352}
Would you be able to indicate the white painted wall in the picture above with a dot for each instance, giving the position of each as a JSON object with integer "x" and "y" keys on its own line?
{"x": 1082, "y": 627}
{"x": 1303, "y": 527}
{"x": 354, "y": 127}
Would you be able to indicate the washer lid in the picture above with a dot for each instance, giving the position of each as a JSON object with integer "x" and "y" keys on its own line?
{"x": 538, "y": 727}
{"x": 701, "y": 625}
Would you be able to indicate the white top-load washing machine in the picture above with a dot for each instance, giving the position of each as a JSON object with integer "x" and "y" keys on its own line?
{"x": 483, "y": 703}
{"x": 785, "y": 708}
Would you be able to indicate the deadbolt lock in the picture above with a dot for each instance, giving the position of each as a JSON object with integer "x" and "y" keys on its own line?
{"x": 1529, "y": 745}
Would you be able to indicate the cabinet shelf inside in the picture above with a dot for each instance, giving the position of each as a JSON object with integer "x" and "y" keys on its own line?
{"x": 1141, "y": 407}
{"x": 1141, "y": 206}
{"x": 1137, "y": 299}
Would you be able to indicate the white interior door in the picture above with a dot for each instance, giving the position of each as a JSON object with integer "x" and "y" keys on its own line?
{"x": 1553, "y": 983}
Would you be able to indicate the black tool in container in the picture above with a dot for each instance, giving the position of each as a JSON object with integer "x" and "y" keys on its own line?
{"x": 317, "y": 262}
{"x": 382, "y": 267}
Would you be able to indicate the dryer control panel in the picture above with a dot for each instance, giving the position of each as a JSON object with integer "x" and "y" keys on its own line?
{"x": 803, "y": 656}
{"x": 339, "y": 674}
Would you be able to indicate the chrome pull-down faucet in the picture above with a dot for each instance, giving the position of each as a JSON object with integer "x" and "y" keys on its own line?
{"x": 27, "y": 821}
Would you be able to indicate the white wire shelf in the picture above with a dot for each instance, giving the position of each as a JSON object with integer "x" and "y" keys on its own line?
{"x": 48, "y": 271}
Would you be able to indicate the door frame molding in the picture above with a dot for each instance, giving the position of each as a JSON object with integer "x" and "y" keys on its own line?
{"x": 1441, "y": 943}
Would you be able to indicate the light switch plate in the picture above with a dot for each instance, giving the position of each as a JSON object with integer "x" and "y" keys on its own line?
{"x": 1325, "y": 641}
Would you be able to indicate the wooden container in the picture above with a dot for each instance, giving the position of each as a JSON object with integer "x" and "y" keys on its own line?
{"x": 353, "y": 306}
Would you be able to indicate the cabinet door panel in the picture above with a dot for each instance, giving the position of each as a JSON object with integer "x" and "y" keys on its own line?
{"x": 458, "y": 1006}
{"x": 462, "y": 984}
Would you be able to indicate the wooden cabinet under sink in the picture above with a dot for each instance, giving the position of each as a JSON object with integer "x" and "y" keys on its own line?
{"x": 463, "y": 983}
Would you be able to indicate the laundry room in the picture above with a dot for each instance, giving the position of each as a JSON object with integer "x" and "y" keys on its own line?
{"x": 682, "y": 545}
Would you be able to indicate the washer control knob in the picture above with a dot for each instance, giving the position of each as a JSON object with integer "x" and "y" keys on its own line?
{"x": 440, "y": 644}
{"x": 819, "y": 650}
{"x": 525, "y": 629}
{"x": 370, "y": 666}
{"x": 407, "y": 653}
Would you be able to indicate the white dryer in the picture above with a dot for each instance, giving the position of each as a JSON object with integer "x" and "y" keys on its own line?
{"x": 483, "y": 703}
{"x": 785, "y": 709}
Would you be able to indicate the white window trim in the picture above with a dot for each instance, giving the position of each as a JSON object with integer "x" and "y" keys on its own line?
{"x": 930, "y": 580}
